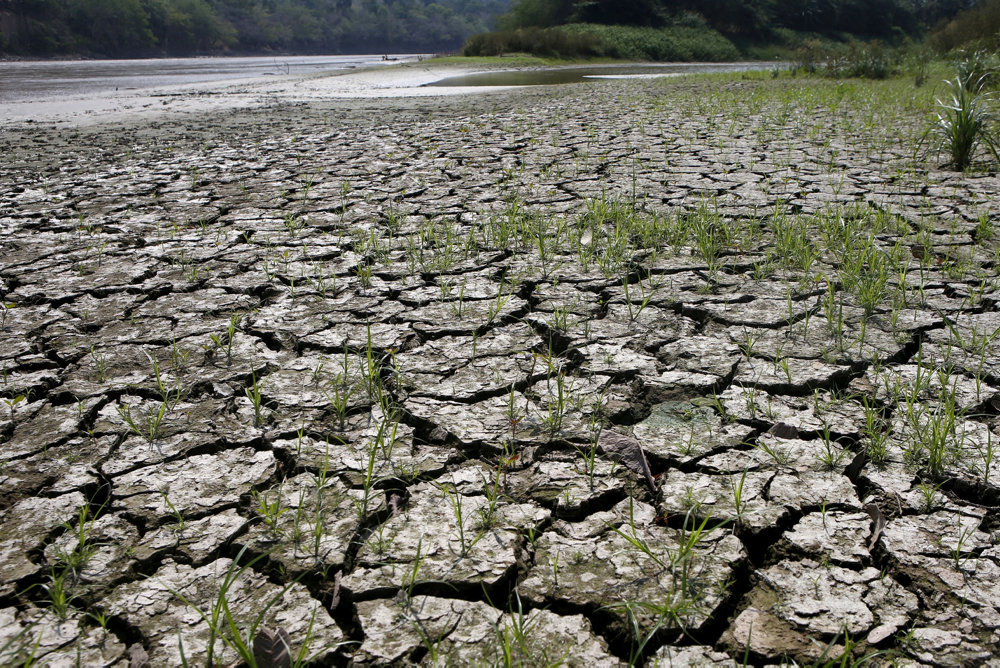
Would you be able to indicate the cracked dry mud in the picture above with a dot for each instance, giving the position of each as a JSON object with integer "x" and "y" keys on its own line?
{"x": 681, "y": 372}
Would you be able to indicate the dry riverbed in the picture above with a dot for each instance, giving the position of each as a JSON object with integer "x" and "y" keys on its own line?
{"x": 682, "y": 371}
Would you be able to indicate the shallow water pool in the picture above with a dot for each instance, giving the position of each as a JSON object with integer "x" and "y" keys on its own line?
{"x": 582, "y": 74}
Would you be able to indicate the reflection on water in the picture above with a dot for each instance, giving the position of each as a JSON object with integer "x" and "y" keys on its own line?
{"x": 34, "y": 80}
{"x": 568, "y": 75}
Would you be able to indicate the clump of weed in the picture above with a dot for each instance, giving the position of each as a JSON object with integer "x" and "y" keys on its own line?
{"x": 963, "y": 122}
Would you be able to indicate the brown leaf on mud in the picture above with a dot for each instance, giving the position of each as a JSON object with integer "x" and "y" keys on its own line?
{"x": 335, "y": 591}
{"x": 879, "y": 522}
{"x": 271, "y": 649}
{"x": 628, "y": 451}
{"x": 396, "y": 502}
{"x": 137, "y": 656}
{"x": 853, "y": 469}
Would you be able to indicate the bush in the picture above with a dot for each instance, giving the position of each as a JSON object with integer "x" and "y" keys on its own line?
{"x": 963, "y": 122}
{"x": 978, "y": 25}
{"x": 869, "y": 60}
{"x": 977, "y": 69}
{"x": 865, "y": 61}
{"x": 689, "y": 38}
{"x": 810, "y": 57}
{"x": 674, "y": 43}
{"x": 549, "y": 42}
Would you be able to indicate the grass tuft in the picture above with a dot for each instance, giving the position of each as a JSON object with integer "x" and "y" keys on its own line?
{"x": 963, "y": 122}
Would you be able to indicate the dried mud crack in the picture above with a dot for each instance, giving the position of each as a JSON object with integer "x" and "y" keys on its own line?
{"x": 695, "y": 371}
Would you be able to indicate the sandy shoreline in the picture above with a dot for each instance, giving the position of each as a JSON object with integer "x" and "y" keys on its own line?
{"x": 403, "y": 80}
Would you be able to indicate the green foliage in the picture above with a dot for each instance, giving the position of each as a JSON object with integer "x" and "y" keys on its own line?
{"x": 189, "y": 26}
{"x": 873, "y": 18}
{"x": 578, "y": 40}
{"x": 547, "y": 42}
{"x": 121, "y": 25}
{"x": 964, "y": 122}
{"x": 695, "y": 27}
{"x": 619, "y": 12}
{"x": 671, "y": 43}
{"x": 871, "y": 60}
{"x": 737, "y": 18}
{"x": 978, "y": 25}
{"x": 178, "y": 27}
{"x": 977, "y": 68}
{"x": 866, "y": 61}
{"x": 712, "y": 29}
{"x": 537, "y": 13}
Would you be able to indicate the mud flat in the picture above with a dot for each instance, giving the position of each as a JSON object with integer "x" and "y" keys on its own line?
{"x": 128, "y": 105}
{"x": 686, "y": 371}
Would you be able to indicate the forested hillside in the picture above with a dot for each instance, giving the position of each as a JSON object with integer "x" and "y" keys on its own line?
{"x": 181, "y": 27}
{"x": 667, "y": 29}
{"x": 685, "y": 30}
{"x": 744, "y": 17}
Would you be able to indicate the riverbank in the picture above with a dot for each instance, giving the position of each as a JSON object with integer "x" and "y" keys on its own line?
{"x": 403, "y": 80}
{"x": 396, "y": 80}
{"x": 696, "y": 369}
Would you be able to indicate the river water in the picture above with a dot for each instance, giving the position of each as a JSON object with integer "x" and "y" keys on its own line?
{"x": 23, "y": 81}
{"x": 581, "y": 74}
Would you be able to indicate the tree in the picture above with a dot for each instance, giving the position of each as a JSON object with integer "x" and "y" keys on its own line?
{"x": 111, "y": 27}
{"x": 185, "y": 26}
{"x": 736, "y": 17}
{"x": 541, "y": 13}
{"x": 623, "y": 12}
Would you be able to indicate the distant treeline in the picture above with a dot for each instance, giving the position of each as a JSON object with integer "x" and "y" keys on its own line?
{"x": 749, "y": 18}
{"x": 119, "y": 28}
{"x": 720, "y": 29}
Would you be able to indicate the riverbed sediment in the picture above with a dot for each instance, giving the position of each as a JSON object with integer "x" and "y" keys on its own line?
{"x": 692, "y": 371}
